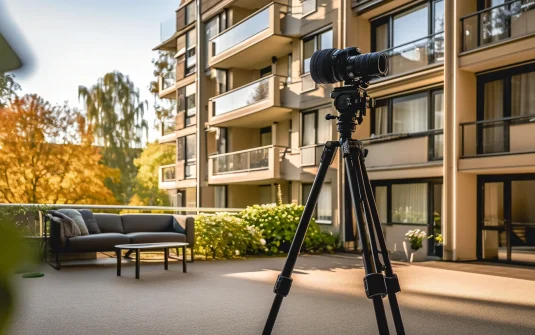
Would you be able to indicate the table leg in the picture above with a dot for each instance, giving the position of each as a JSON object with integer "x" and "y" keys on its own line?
{"x": 118, "y": 254}
{"x": 137, "y": 263}
{"x": 166, "y": 257}
{"x": 184, "y": 260}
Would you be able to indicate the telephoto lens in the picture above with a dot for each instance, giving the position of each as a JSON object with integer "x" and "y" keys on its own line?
{"x": 329, "y": 66}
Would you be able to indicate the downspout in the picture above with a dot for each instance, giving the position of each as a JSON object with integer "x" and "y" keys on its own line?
{"x": 200, "y": 172}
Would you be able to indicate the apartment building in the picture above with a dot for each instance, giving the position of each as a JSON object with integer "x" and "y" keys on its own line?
{"x": 451, "y": 141}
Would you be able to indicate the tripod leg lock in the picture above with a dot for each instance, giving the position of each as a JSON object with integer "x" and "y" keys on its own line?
{"x": 282, "y": 285}
{"x": 374, "y": 284}
{"x": 392, "y": 284}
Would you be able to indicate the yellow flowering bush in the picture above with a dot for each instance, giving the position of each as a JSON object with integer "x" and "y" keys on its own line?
{"x": 223, "y": 235}
{"x": 278, "y": 224}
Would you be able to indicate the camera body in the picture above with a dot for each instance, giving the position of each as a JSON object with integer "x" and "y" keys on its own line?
{"x": 329, "y": 66}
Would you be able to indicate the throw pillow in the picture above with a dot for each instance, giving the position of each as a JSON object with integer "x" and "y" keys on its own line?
{"x": 77, "y": 218}
{"x": 90, "y": 221}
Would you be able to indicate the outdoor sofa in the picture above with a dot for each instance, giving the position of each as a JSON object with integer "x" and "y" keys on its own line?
{"x": 122, "y": 229}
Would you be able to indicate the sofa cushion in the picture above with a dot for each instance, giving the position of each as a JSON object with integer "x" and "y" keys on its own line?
{"x": 90, "y": 221}
{"x": 134, "y": 223}
{"x": 77, "y": 218}
{"x": 96, "y": 242}
{"x": 109, "y": 223}
{"x": 156, "y": 237}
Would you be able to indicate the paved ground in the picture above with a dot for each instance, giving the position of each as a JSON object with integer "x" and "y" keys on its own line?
{"x": 234, "y": 297}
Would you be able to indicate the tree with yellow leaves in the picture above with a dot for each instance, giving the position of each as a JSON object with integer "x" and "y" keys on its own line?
{"x": 47, "y": 156}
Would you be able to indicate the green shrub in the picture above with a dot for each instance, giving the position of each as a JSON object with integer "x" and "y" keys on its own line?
{"x": 224, "y": 235}
{"x": 279, "y": 224}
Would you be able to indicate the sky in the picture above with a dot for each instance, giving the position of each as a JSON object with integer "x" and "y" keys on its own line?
{"x": 67, "y": 43}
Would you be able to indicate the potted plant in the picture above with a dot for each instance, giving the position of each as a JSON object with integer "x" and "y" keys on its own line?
{"x": 413, "y": 245}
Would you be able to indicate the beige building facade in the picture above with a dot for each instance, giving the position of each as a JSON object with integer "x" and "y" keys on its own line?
{"x": 451, "y": 141}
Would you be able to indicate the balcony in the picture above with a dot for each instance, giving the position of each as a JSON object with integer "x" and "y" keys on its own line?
{"x": 407, "y": 155}
{"x": 499, "y": 145}
{"x": 179, "y": 175}
{"x": 168, "y": 28}
{"x": 167, "y": 85}
{"x": 371, "y": 8}
{"x": 244, "y": 44}
{"x": 167, "y": 131}
{"x": 505, "y": 28}
{"x": 310, "y": 155}
{"x": 257, "y": 165}
{"x": 415, "y": 55}
{"x": 253, "y": 105}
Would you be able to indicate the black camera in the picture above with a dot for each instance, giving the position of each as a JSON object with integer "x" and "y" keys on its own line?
{"x": 329, "y": 66}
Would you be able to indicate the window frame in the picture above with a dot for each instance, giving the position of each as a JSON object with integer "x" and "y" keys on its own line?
{"x": 186, "y": 12}
{"x": 313, "y": 36}
{"x": 191, "y": 161}
{"x": 187, "y": 71}
{"x": 389, "y": 20}
{"x": 315, "y": 112}
{"x": 315, "y": 213}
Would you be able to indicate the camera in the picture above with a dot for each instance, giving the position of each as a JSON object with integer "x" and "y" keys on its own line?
{"x": 329, "y": 66}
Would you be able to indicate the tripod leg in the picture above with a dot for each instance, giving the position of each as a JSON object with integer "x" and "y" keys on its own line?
{"x": 284, "y": 280}
{"x": 391, "y": 279}
{"x": 373, "y": 281}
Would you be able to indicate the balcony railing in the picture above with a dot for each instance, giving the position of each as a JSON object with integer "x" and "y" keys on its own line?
{"x": 168, "y": 173}
{"x": 242, "y": 31}
{"x": 514, "y": 134}
{"x": 498, "y": 23}
{"x": 167, "y": 29}
{"x": 242, "y": 161}
{"x": 241, "y": 97}
{"x": 435, "y": 141}
{"x": 167, "y": 128}
{"x": 417, "y": 54}
{"x": 168, "y": 80}
{"x": 310, "y": 154}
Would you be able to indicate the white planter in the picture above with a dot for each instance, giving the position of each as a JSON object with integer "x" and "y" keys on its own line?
{"x": 413, "y": 255}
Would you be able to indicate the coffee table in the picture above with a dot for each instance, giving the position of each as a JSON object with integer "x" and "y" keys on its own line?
{"x": 151, "y": 246}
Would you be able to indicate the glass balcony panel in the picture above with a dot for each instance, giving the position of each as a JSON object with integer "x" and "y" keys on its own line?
{"x": 169, "y": 80}
{"x": 241, "y": 32}
{"x": 168, "y": 127}
{"x": 167, "y": 29}
{"x": 416, "y": 54}
{"x": 470, "y": 33}
{"x": 169, "y": 173}
{"x": 438, "y": 146}
{"x": 244, "y": 96}
{"x": 256, "y": 159}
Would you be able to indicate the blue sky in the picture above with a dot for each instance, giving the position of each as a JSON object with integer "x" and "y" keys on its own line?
{"x": 74, "y": 42}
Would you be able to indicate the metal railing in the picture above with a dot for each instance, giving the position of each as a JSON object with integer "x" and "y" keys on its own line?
{"x": 242, "y": 161}
{"x": 495, "y": 137}
{"x": 414, "y": 55}
{"x": 498, "y": 23}
{"x": 435, "y": 136}
{"x": 241, "y": 31}
{"x": 167, "y": 29}
{"x": 39, "y": 219}
{"x": 240, "y": 97}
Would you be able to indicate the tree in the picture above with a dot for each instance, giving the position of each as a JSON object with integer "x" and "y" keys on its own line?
{"x": 8, "y": 88}
{"x": 147, "y": 192}
{"x": 115, "y": 111}
{"x": 261, "y": 92}
{"x": 163, "y": 66}
{"x": 47, "y": 156}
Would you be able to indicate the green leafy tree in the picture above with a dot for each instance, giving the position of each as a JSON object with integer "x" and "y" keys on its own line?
{"x": 148, "y": 163}
{"x": 115, "y": 111}
{"x": 8, "y": 88}
{"x": 163, "y": 66}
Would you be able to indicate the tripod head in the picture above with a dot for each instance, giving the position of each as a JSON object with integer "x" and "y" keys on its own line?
{"x": 351, "y": 102}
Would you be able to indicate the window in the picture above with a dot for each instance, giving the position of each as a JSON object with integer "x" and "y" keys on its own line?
{"x": 213, "y": 27}
{"x": 319, "y": 41}
{"x": 289, "y": 71}
{"x": 186, "y": 102}
{"x": 412, "y": 38}
{"x": 502, "y": 94}
{"x": 309, "y": 6}
{"x": 323, "y": 210}
{"x": 409, "y": 25}
{"x": 222, "y": 81}
{"x": 265, "y": 194}
{"x": 265, "y": 136}
{"x": 191, "y": 148}
{"x": 409, "y": 203}
{"x": 220, "y": 196}
{"x": 191, "y": 12}
{"x": 408, "y": 114}
{"x": 191, "y": 58}
{"x": 267, "y": 71}
{"x": 315, "y": 129}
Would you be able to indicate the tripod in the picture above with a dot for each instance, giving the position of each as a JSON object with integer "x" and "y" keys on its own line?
{"x": 351, "y": 102}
